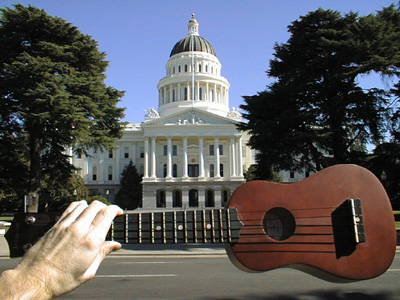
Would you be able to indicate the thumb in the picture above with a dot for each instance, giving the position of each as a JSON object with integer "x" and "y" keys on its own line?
{"x": 106, "y": 248}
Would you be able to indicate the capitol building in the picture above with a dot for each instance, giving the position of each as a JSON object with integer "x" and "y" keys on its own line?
{"x": 188, "y": 149}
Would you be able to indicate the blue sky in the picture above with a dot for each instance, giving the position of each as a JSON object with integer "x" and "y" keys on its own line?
{"x": 138, "y": 37}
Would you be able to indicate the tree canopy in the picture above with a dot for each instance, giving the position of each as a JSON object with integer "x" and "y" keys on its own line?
{"x": 53, "y": 96}
{"x": 315, "y": 113}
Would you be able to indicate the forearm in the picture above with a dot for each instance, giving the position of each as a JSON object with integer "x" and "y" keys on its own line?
{"x": 17, "y": 286}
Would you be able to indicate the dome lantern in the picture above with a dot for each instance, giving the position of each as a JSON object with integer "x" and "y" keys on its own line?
{"x": 193, "y": 26}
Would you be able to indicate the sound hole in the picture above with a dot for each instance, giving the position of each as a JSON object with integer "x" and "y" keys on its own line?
{"x": 279, "y": 224}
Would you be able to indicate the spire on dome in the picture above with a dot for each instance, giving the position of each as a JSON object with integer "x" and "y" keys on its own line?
{"x": 193, "y": 26}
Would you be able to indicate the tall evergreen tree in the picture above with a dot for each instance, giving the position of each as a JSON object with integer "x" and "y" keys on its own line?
{"x": 53, "y": 95}
{"x": 130, "y": 194}
{"x": 315, "y": 114}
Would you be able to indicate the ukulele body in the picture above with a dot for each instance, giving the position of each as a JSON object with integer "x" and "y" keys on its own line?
{"x": 302, "y": 225}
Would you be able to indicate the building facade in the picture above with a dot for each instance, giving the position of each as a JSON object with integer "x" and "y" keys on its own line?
{"x": 188, "y": 150}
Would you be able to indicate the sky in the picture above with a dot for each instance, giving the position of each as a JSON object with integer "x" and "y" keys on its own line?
{"x": 138, "y": 36}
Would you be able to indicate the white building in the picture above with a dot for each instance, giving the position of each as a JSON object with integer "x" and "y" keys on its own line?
{"x": 189, "y": 150}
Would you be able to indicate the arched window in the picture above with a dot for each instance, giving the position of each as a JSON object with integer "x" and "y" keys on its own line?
{"x": 165, "y": 170}
{"x": 199, "y": 67}
{"x": 177, "y": 198}
{"x": 161, "y": 198}
{"x": 110, "y": 173}
{"x": 193, "y": 198}
{"x": 94, "y": 173}
{"x": 210, "y": 198}
{"x": 225, "y": 197}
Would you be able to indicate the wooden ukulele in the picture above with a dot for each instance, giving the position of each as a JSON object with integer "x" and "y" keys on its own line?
{"x": 337, "y": 225}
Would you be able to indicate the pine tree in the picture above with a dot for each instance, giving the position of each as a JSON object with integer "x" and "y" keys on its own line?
{"x": 130, "y": 194}
{"x": 53, "y": 94}
{"x": 315, "y": 114}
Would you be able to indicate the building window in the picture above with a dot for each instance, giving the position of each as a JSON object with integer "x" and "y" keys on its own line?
{"x": 199, "y": 67}
{"x": 211, "y": 149}
{"x": 221, "y": 170}
{"x": 186, "y": 93}
{"x": 174, "y": 150}
{"x": 173, "y": 70}
{"x": 165, "y": 150}
{"x": 175, "y": 170}
{"x": 225, "y": 197}
{"x": 110, "y": 154}
{"x": 292, "y": 174}
{"x": 307, "y": 174}
{"x": 193, "y": 170}
{"x": 210, "y": 198}
{"x": 126, "y": 152}
{"x": 212, "y": 174}
{"x": 165, "y": 170}
{"x": 79, "y": 155}
{"x": 94, "y": 173}
{"x": 177, "y": 198}
{"x": 200, "y": 93}
{"x": 110, "y": 173}
{"x": 141, "y": 152}
{"x": 160, "y": 198}
{"x": 193, "y": 198}
{"x": 212, "y": 95}
{"x": 186, "y": 68}
{"x": 206, "y": 68}
{"x": 179, "y": 69}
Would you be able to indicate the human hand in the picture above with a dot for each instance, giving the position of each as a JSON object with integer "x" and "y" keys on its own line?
{"x": 69, "y": 254}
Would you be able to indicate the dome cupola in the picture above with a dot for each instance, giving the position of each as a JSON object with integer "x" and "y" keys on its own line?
{"x": 193, "y": 41}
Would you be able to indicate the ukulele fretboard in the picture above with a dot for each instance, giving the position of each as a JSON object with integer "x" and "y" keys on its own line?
{"x": 177, "y": 227}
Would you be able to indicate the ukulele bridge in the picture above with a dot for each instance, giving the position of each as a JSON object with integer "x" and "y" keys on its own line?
{"x": 348, "y": 227}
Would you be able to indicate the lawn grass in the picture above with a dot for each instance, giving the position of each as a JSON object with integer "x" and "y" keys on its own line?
{"x": 397, "y": 218}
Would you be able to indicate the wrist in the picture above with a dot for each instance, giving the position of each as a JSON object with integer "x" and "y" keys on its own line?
{"x": 20, "y": 285}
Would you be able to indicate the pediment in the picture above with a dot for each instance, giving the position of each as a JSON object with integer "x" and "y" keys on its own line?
{"x": 191, "y": 116}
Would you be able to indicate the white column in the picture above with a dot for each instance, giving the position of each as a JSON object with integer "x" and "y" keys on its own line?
{"x": 233, "y": 157}
{"x": 239, "y": 156}
{"x": 153, "y": 157}
{"x": 146, "y": 157}
{"x": 179, "y": 92}
{"x": 197, "y": 90}
{"x": 207, "y": 93}
{"x": 216, "y": 150}
{"x": 170, "y": 93}
{"x": 185, "y": 158}
{"x": 201, "y": 156}
{"x": 169, "y": 157}
{"x": 117, "y": 164}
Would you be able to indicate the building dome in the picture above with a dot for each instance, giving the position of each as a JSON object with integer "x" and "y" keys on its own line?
{"x": 193, "y": 42}
{"x": 193, "y": 77}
